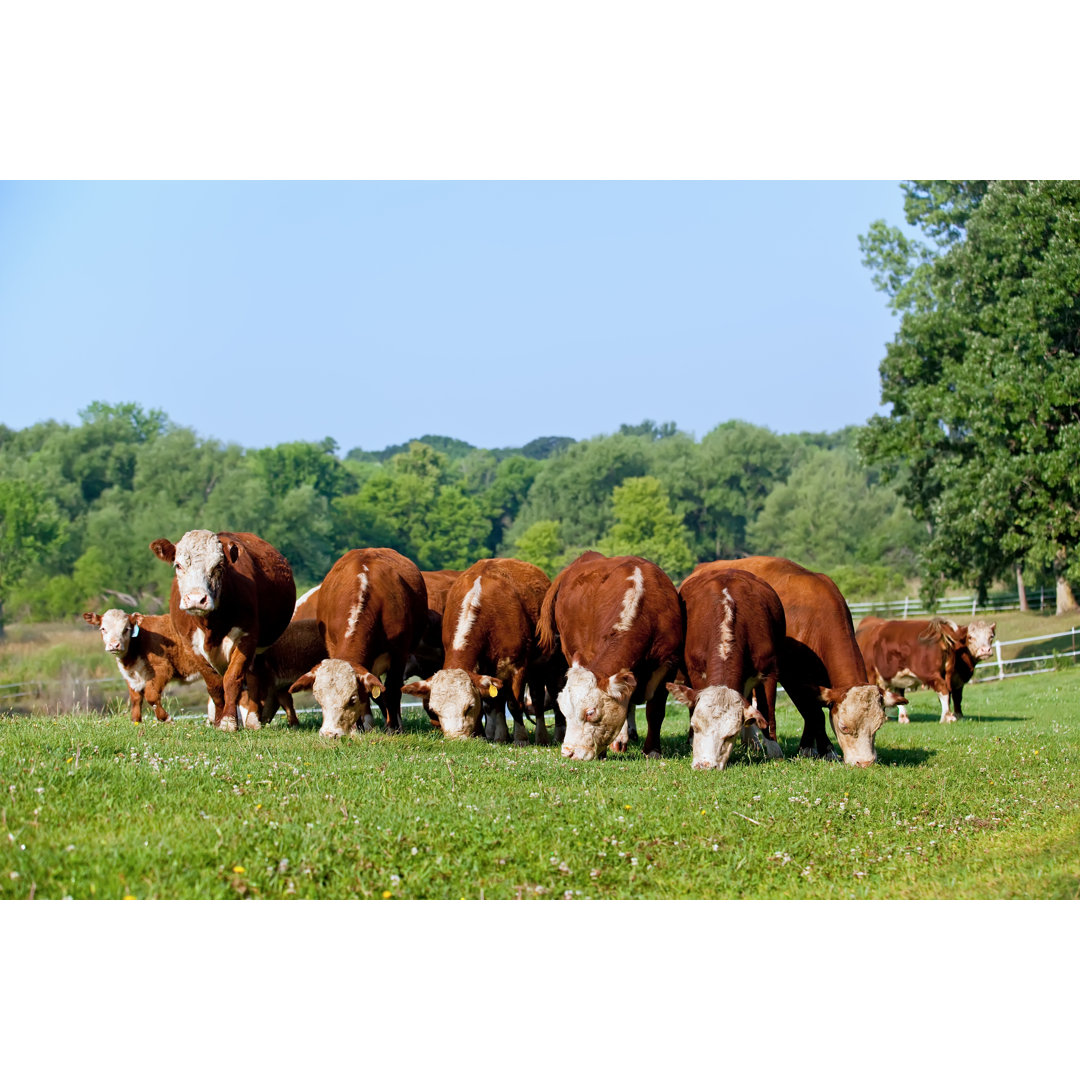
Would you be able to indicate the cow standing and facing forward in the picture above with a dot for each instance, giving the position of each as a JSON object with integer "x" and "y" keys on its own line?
{"x": 735, "y": 631}
{"x": 620, "y": 627}
{"x": 232, "y": 595}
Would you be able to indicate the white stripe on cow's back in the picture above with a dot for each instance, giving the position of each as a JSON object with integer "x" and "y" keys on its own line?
{"x": 726, "y": 637}
{"x": 632, "y": 600}
{"x": 310, "y": 592}
{"x": 358, "y": 607}
{"x": 467, "y": 615}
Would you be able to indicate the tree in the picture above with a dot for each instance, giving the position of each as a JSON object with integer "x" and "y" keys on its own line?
{"x": 983, "y": 378}
{"x": 646, "y": 525}
{"x": 541, "y": 544}
{"x": 30, "y": 529}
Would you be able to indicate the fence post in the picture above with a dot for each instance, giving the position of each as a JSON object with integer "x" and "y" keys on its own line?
{"x": 1001, "y": 666}
{"x": 905, "y": 606}
{"x": 974, "y": 601}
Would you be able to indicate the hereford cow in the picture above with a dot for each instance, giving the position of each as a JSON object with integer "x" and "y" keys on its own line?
{"x": 735, "y": 634}
{"x": 232, "y": 595}
{"x": 979, "y": 646}
{"x": 903, "y": 654}
{"x": 489, "y": 638}
{"x": 821, "y": 664}
{"x": 266, "y": 687}
{"x": 372, "y": 610}
{"x": 621, "y": 630}
{"x": 148, "y": 654}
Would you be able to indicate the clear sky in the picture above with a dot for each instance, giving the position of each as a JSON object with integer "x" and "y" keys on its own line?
{"x": 493, "y": 312}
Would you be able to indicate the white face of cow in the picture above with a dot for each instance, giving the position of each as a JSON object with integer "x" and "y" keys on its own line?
{"x": 116, "y": 632}
{"x": 856, "y": 718}
{"x": 593, "y": 716}
{"x": 341, "y": 696}
{"x": 455, "y": 700}
{"x": 718, "y": 717}
{"x": 200, "y": 568}
{"x": 980, "y": 639}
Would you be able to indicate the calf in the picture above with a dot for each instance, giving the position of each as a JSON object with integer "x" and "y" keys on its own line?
{"x": 232, "y": 595}
{"x": 266, "y": 687}
{"x": 621, "y": 630}
{"x": 979, "y": 645}
{"x": 148, "y": 654}
{"x": 372, "y": 610}
{"x": 489, "y": 638}
{"x": 820, "y": 663}
{"x": 735, "y": 631}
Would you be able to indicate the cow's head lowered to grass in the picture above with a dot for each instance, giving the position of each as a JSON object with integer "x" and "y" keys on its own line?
{"x": 199, "y": 561}
{"x": 456, "y": 699}
{"x": 718, "y": 715}
{"x": 856, "y": 714}
{"x": 595, "y": 710}
{"x": 343, "y": 691}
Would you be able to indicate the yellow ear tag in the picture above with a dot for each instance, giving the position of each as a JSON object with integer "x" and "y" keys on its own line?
{"x": 374, "y": 691}
{"x": 493, "y": 690}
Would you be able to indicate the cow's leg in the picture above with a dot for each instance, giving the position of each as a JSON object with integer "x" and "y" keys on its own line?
{"x": 514, "y": 694}
{"x": 153, "y": 698}
{"x": 537, "y": 692}
{"x": 495, "y": 719}
{"x": 631, "y": 724}
{"x": 946, "y": 716}
{"x": 815, "y": 740}
{"x": 248, "y": 709}
{"x": 215, "y": 705}
{"x": 765, "y": 702}
{"x": 622, "y": 740}
{"x": 135, "y": 700}
{"x": 285, "y": 700}
{"x": 957, "y": 697}
{"x": 390, "y": 699}
{"x": 655, "y": 705}
{"x": 901, "y": 715}
{"x": 240, "y": 658}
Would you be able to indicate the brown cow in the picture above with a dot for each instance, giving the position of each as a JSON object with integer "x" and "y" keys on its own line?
{"x": 821, "y": 663}
{"x": 735, "y": 633}
{"x": 621, "y": 630}
{"x": 307, "y": 606}
{"x": 489, "y": 638}
{"x": 232, "y": 594}
{"x": 429, "y": 654}
{"x": 372, "y": 611}
{"x": 903, "y": 654}
{"x": 266, "y": 687}
{"x": 148, "y": 654}
{"x": 979, "y": 646}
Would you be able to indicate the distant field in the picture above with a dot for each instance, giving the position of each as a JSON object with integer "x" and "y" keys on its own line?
{"x": 91, "y": 806}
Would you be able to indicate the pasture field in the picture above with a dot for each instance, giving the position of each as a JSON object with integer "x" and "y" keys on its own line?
{"x": 93, "y": 806}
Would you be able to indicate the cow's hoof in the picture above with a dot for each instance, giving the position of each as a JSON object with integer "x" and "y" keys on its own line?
{"x": 773, "y": 751}
{"x": 831, "y": 756}
{"x": 948, "y": 718}
{"x": 903, "y": 720}
{"x": 522, "y": 742}
{"x": 228, "y": 723}
{"x": 653, "y": 755}
{"x": 807, "y": 751}
{"x": 542, "y": 739}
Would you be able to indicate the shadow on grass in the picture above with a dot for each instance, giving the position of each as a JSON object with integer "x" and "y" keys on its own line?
{"x": 935, "y": 718}
{"x": 907, "y": 757}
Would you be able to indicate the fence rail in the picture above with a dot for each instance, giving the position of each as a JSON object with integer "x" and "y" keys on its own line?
{"x": 911, "y": 607}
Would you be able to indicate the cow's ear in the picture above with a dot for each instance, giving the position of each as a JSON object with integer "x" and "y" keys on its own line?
{"x": 753, "y": 716}
{"x": 829, "y": 697}
{"x": 133, "y": 618}
{"x": 232, "y": 551}
{"x": 621, "y": 685}
{"x": 488, "y": 685}
{"x": 682, "y": 693}
{"x": 305, "y": 682}
{"x": 92, "y": 617}
{"x": 993, "y": 627}
{"x": 164, "y": 549}
{"x": 418, "y": 689}
{"x": 371, "y": 684}
{"x": 892, "y": 699}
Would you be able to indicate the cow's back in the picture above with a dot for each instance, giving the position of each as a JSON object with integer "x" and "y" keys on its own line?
{"x": 268, "y": 571}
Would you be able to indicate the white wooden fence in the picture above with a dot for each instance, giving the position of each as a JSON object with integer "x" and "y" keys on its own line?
{"x": 911, "y": 607}
{"x": 995, "y": 669}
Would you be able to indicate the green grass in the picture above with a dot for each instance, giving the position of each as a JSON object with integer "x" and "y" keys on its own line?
{"x": 92, "y": 806}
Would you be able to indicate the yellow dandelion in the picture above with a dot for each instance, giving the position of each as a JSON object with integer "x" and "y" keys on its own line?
{"x": 239, "y": 870}
{"x": 129, "y": 897}
{"x": 702, "y": 813}
{"x": 387, "y": 894}
{"x": 1036, "y": 751}
{"x": 627, "y": 806}
{"x": 68, "y": 761}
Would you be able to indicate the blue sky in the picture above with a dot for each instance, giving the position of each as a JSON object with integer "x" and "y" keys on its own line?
{"x": 493, "y": 312}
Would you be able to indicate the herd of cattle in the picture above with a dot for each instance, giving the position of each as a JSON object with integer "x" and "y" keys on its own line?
{"x": 606, "y": 635}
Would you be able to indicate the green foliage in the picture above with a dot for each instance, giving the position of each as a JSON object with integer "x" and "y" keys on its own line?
{"x": 645, "y": 525}
{"x": 542, "y": 545}
{"x": 31, "y": 530}
{"x": 983, "y": 379}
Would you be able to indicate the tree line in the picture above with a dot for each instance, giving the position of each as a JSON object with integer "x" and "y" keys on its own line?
{"x": 79, "y": 504}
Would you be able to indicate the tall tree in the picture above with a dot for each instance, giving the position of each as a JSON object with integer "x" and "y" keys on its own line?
{"x": 982, "y": 375}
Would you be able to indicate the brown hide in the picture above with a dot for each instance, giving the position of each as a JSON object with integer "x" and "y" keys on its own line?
{"x": 583, "y": 609}
{"x": 438, "y": 584}
{"x": 428, "y": 656}
{"x": 925, "y": 648}
{"x": 257, "y": 598}
{"x": 308, "y": 607}
{"x": 387, "y": 626}
{"x": 821, "y": 662}
{"x": 739, "y": 649}
{"x": 298, "y": 649}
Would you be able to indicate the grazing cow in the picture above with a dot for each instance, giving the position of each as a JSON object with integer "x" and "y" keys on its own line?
{"x": 266, "y": 687}
{"x": 372, "y": 611}
{"x": 980, "y": 645}
{"x": 148, "y": 654}
{"x": 429, "y": 654}
{"x": 903, "y": 654}
{"x": 621, "y": 630}
{"x": 489, "y": 638}
{"x": 735, "y": 633}
{"x": 232, "y": 595}
{"x": 821, "y": 663}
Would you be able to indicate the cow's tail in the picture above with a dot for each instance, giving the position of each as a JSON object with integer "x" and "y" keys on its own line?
{"x": 546, "y": 630}
{"x": 942, "y": 630}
